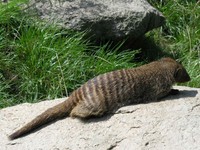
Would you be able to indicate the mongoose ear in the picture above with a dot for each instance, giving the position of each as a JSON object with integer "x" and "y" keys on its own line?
{"x": 177, "y": 73}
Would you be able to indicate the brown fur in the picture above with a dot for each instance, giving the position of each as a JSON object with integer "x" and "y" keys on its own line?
{"x": 110, "y": 91}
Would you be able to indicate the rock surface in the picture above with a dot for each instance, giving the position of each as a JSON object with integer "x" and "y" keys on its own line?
{"x": 171, "y": 124}
{"x": 105, "y": 19}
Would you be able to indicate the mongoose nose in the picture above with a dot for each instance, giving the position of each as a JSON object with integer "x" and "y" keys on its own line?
{"x": 188, "y": 78}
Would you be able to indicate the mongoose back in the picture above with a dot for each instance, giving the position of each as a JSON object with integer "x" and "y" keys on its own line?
{"x": 110, "y": 91}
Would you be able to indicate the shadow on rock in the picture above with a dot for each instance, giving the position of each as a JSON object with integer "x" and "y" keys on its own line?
{"x": 181, "y": 94}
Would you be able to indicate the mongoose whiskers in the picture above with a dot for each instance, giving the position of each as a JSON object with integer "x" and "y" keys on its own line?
{"x": 110, "y": 91}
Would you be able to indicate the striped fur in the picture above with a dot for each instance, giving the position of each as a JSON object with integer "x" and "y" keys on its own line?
{"x": 110, "y": 91}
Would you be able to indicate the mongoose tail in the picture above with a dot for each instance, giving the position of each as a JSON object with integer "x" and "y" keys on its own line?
{"x": 61, "y": 110}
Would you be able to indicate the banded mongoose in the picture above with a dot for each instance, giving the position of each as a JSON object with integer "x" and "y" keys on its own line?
{"x": 110, "y": 91}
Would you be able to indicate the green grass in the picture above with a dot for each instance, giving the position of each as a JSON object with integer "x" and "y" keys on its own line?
{"x": 180, "y": 37}
{"x": 40, "y": 61}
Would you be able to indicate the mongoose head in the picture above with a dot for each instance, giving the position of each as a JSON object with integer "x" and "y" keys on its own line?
{"x": 180, "y": 73}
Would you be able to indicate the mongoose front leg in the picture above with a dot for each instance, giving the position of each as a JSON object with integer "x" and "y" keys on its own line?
{"x": 174, "y": 92}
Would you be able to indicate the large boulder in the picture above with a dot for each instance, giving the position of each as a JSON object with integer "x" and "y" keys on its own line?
{"x": 171, "y": 124}
{"x": 103, "y": 19}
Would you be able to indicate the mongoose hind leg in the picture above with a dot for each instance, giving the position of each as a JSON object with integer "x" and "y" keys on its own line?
{"x": 82, "y": 111}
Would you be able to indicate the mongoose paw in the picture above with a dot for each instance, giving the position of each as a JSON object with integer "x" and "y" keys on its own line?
{"x": 174, "y": 92}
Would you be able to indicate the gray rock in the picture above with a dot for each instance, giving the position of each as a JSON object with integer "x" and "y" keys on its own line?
{"x": 170, "y": 124}
{"x": 104, "y": 19}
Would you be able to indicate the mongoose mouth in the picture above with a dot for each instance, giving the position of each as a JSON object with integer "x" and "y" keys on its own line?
{"x": 185, "y": 79}
{"x": 188, "y": 80}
